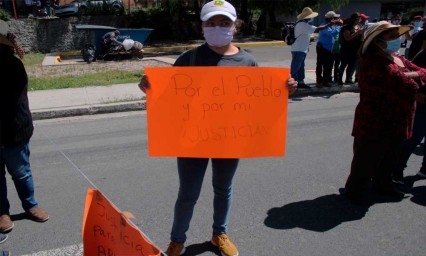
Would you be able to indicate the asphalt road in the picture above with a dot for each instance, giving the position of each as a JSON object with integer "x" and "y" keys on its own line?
{"x": 282, "y": 206}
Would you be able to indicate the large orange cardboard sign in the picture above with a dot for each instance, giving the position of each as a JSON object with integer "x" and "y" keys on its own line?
{"x": 107, "y": 232}
{"x": 217, "y": 112}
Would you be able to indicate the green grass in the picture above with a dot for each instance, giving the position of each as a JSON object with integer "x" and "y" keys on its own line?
{"x": 101, "y": 78}
{"x": 33, "y": 59}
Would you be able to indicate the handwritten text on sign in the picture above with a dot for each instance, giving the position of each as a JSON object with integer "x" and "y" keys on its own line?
{"x": 106, "y": 232}
{"x": 223, "y": 112}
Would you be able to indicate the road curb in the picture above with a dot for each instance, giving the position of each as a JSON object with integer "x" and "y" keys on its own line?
{"x": 89, "y": 110}
{"x": 141, "y": 105}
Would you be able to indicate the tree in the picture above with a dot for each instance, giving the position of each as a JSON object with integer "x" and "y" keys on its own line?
{"x": 335, "y": 4}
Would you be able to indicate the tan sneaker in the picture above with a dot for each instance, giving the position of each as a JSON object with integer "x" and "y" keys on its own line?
{"x": 6, "y": 223}
{"x": 38, "y": 214}
{"x": 175, "y": 249}
{"x": 226, "y": 247}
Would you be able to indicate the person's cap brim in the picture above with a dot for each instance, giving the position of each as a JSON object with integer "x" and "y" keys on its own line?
{"x": 216, "y": 13}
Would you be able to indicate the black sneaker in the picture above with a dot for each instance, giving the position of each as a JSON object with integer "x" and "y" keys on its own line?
{"x": 303, "y": 86}
{"x": 349, "y": 82}
{"x": 422, "y": 172}
{"x": 388, "y": 191}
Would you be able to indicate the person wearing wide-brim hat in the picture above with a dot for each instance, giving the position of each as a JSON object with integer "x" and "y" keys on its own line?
{"x": 299, "y": 49}
{"x": 384, "y": 116}
{"x": 325, "y": 55}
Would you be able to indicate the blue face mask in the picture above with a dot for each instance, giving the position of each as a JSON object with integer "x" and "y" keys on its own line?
{"x": 417, "y": 24}
{"x": 393, "y": 46}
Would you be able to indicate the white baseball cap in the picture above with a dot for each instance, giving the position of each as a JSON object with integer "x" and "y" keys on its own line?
{"x": 332, "y": 14}
{"x": 218, "y": 7}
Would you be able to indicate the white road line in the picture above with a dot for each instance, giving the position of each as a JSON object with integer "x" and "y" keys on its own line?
{"x": 72, "y": 250}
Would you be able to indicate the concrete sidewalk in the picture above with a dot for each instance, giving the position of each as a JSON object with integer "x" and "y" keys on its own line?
{"x": 48, "y": 104}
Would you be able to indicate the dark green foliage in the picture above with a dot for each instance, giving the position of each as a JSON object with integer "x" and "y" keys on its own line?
{"x": 4, "y": 15}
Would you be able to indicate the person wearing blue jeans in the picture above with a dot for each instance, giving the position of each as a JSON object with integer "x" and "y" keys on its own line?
{"x": 297, "y": 68}
{"x": 16, "y": 129}
{"x": 17, "y": 161}
{"x": 191, "y": 174}
{"x": 299, "y": 49}
{"x": 219, "y": 26}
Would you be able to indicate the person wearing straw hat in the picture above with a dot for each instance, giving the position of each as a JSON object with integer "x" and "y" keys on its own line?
{"x": 16, "y": 129}
{"x": 384, "y": 116}
{"x": 299, "y": 49}
{"x": 325, "y": 56}
{"x": 219, "y": 19}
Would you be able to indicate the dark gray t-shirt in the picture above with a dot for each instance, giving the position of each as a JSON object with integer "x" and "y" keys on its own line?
{"x": 204, "y": 56}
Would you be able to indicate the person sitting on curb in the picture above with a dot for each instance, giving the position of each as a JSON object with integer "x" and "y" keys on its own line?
{"x": 219, "y": 26}
{"x": 16, "y": 129}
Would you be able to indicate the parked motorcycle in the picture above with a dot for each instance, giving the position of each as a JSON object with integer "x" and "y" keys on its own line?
{"x": 129, "y": 50}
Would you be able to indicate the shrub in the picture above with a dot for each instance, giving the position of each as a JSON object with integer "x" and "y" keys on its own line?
{"x": 4, "y": 15}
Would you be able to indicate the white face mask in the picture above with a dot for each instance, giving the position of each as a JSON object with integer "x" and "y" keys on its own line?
{"x": 218, "y": 36}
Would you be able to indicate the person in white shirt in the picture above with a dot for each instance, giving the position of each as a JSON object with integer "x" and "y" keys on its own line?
{"x": 302, "y": 32}
{"x": 418, "y": 24}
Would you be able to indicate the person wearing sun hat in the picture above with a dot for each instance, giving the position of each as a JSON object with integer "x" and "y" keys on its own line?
{"x": 219, "y": 20}
{"x": 16, "y": 129}
{"x": 325, "y": 44}
{"x": 384, "y": 115}
{"x": 299, "y": 49}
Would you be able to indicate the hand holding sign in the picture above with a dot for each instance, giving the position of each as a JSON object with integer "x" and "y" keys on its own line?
{"x": 107, "y": 231}
{"x": 221, "y": 112}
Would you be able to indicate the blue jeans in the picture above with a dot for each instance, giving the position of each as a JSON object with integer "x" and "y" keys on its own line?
{"x": 17, "y": 162}
{"x": 297, "y": 67}
{"x": 419, "y": 132}
{"x": 191, "y": 175}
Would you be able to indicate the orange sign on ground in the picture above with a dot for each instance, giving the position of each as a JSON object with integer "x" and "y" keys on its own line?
{"x": 107, "y": 232}
{"x": 217, "y": 112}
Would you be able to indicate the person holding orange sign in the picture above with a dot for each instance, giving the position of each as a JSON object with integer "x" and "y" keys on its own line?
{"x": 219, "y": 26}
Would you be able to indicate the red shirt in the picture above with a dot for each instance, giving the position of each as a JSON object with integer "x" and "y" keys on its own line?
{"x": 386, "y": 107}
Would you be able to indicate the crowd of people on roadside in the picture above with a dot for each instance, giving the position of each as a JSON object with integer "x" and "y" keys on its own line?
{"x": 390, "y": 119}
{"x": 338, "y": 46}
{"x": 384, "y": 137}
